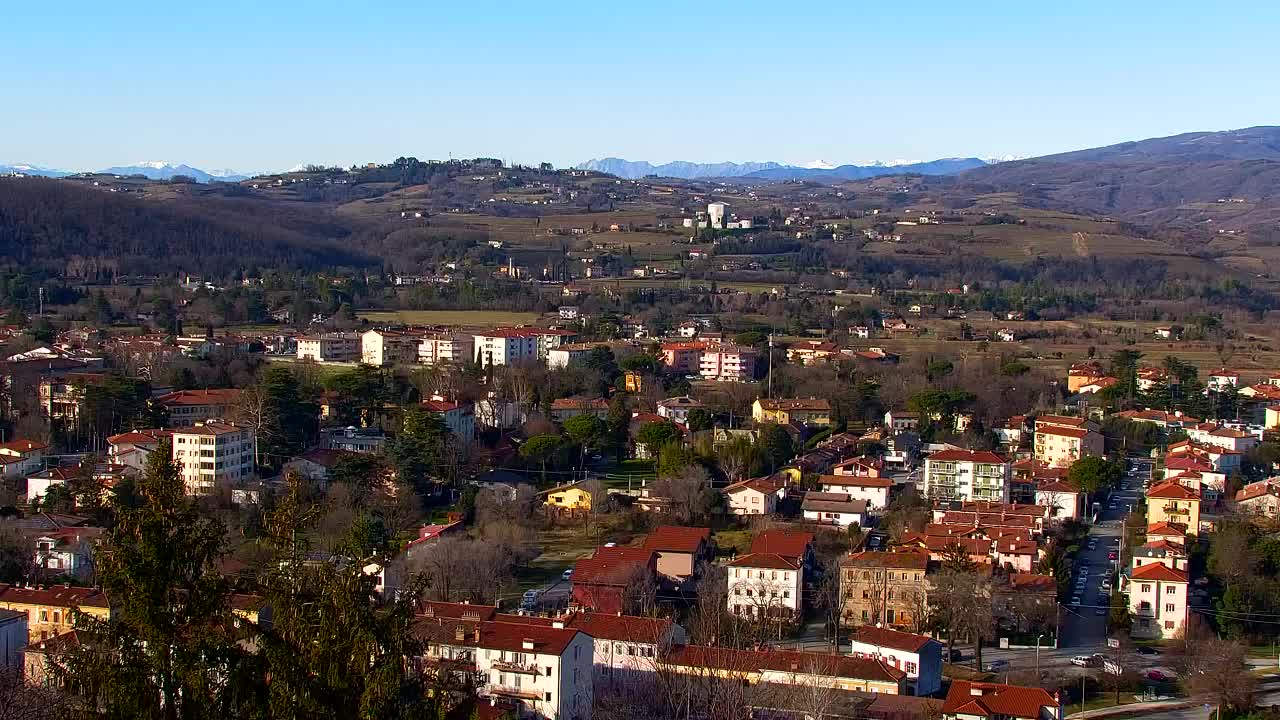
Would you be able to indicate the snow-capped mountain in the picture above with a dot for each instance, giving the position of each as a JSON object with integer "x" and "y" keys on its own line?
{"x": 164, "y": 170}
{"x": 816, "y": 170}
{"x": 819, "y": 165}
{"x": 27, "y": 169}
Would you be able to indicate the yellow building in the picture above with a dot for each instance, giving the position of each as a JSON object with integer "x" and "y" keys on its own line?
{"x": 1172, "y": 502}
{"x": 50, "y": 610}
{"x": 571, "y": 497}
{"x": 784, "y": 411}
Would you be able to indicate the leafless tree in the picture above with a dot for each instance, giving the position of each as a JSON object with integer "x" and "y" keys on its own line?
{"x": 1216, "y": 671}
{"x": 689, "y": 494}
{"x": 20, "y": 700}
{"x": 252, "y": 410}
{"x": 640, "y": 594}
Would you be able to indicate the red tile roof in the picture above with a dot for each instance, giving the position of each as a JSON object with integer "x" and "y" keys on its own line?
{"x": 1057, "y": 486}
{"x": 611, "y": 566}
{"x": 995, "y": 700}
{"x": 512, "y": 637}
{"x": 1071, "y": 432}
{"x": 1172, "y": 490}
{"x": 675, "y": 538}
{"x": 898, "y": 560}
{"x": 752, "y": 661}
{"x": 1157, "y": 571}
{"x": 23, "y": 446}
{"x": 1257, "y": 490}
{"x": 791, "y": 543}
{"x": 458, "y": 611}
{"x": 219, "y": 396}
{"x": 624, "y": 628}
{"x": 54, "y": 596}
{"x": 896, "y": 639}
{"x": 1167, "y": 529}
{"x": 1066, "y": 420}
{"x": 976, "y": 456}
{"x": 1031, "y": 582}
{"x": 771, "y": 561}
{"x": 854, "y": 481}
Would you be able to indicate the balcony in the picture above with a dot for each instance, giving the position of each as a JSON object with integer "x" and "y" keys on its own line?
{"x": 512, "y": 667}
{"x": 1144, "y": 610}
{"x": 1172, "y": 509}
{"x": 515, "y": 692}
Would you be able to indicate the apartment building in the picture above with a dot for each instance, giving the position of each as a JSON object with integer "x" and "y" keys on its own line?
{"x": 683, "y": 357}
{"x": 1172, "y": 502}
{"x": 330, "y": 347}
{"x": 505, "y": 346}
{"x": 784, "y": 411}
{"x": 1157, "y": 601}
{"x": 889, "y": 589}
{"x": 214, "y": 455}
{"x": 49, "y": 609}
{"x": 1060, "y": 446}
{"x": 446, "y": 349}
{"x": 383, "y": 348}
{"x": 728, "y": 363}
{"x": 765, "y": 585}
{"x": 188, "y": 407}
{"x": 567, "y": 354}
{"x": 967, "y": 475}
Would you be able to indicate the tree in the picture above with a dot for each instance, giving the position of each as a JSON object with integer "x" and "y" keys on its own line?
{"x": 167, "y": 652}
{"x": 1216, "y": 672}
{"x": 539, "y": 449}
{"x": 654, "y": 435}
{"x": 699, "y": 419}
{"x": 1093, "y": 474}
{"x": 283, "y": 419}
{"x": 423, "y": 451}
{"x": 688, "y": 493}
{"x": 776, "y": 445}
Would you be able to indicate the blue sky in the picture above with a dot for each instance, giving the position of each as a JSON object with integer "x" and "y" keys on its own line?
{"x": 267, "y": 85}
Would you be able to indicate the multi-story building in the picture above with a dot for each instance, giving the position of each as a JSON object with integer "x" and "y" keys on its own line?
{"x": 677, "y": 409}
{"x": 874, "y": 490}
{"x": 214, "y": 455}
{"x": 755, "y": 496}
{"x": 567, "y": 354}
{"x": 505, "y": 346}
{"x": 684, "y": 358}
{"x": 459, "y": 418}
{"x": 1157, "y": 601}
{"x": 446, "y": 349}
{"x": 62, "y": 395}
{"x": 679, "y": 550}
{"x": 885, "y": 588}
{"x": 330, "y": 347}
{"x": 13, "y": 637}
{"x": 626, "y": 644}
{"x": 1173, "y": 502}
{"x": 920, "y": 657}
{"x": 49, "y": 610}
{"x": 1062, "y": 445}
{"x": 1064, "y": 500}
{"x": 19, "y": 458}
{"x": 188, "y": 407}
{"x": 728, "y": 363}
{"x": 1260, "y": 498}
{"x": 967, "y": 475}
{"x": 784, "y": 411}
{"x": 353, "y": 439}
{"x": 766, "y": 585}
{"x": 382, "y": 348}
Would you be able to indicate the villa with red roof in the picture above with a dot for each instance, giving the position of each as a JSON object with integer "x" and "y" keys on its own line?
{"x": 766, "y": 585}
{"x": 1171, "y": 501}
{"x": 679, "y": 550}
{"x": 871, "y": 488}
{"x": 600, "y": 582}
{"x": 920, "y": 657}
{"x": 1157, "y": 601}
{"x": 981, "y": 700}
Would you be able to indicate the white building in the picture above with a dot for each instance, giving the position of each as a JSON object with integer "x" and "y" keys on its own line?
{"x": 330, "y": 347}
{"x": 505, "y": 346}
{"x": 38, "y": 484}
{"x": 873, "y": 490}
{"x": 459, "y": 418}
{"x": 727, "y": 362}
{"x": 918, "y": 656}
{"x": 382, "y": 348}
{"x": 1064, "y": 500}
{"x": 677, "y": 409}
{"x": 626, "y": 644}
{"x": 437, "y": 349}
{"x": 13, "y": 638}
{"x": 715, "y": 214}
{"x": 1157, "y": 601}
{"x": 838, "y": 509}
{"x": 19, "y": 458}
{"x": 967, "y": 475}
{"x": 757, "y": 496}
{"x": 566, "y": 355}
{"x": 765, "y": 585}
{"x": 213, "y": 455}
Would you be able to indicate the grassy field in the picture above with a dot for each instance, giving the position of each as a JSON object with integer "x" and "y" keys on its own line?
{"x": 451, "y": 317}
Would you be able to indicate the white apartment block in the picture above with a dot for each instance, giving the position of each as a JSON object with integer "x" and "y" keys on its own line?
{"x": 330, "y": 347}
{"x": 566, "y": 355}
{"x": 383, "y": 348}
{"x": 213, "y": 455}
{"x": 967, "y": 475}
{"x": 1157, "y": 601}
{"x": 765, "y": 585}
{"x": 505, "y": 346}
{"x": 730, "y": 363}
{"x": 443, "y": 349}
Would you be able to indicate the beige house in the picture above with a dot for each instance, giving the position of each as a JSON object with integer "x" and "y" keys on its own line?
{"x": 765, "y": 585}
{"x": 757, "y": 496}
{"x": 1260, "y": 498}
{"x": 679, "y": 550}
{"x": 1157, "y": 601}
{"x": 890, "y": 589}
{"x": 330, "y": 347}
{"x": 1060, "y": 441}
{"x": 382, "y": 348}
{"x": 50, "y": 610}
{"x": 784, "y": 411}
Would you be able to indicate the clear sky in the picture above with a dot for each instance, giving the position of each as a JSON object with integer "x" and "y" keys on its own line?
{"x": 268, "y": 84}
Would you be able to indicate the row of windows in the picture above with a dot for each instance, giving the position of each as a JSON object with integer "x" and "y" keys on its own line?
{"x": 772, "y": 593}
{"x": 773, "y": 574}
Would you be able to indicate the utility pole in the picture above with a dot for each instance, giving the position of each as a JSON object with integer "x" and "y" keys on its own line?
{"x": 769, "y": 392}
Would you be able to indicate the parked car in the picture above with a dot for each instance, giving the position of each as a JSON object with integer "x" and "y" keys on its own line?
{"x": 1112, "y": 555}
{"x": 956, "y": 655}
{"x": 1155, "y": 675}
{"x": 1100, "y": 612}
{"x": 530, "y": 599}
{"x": 567, "y": 575}
{"x": 1082, "y": 660}
{"x": 1148, "y": 651}
{"x": 997, "y": 666}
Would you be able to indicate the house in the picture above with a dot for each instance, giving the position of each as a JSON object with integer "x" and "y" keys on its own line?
{"x": 601, "y": 582}
{"x": 918, "y": 656}
{"x": 809, "y": 352}
{"x": 1060, "y": 445}
{"x": 1271, "y": 417}
{"x": 1081, "y": 374}
{"x": 1157, "y": 601}
{"x": 545, "y": 671}
{"x": 679, "y": 550}
{"x": 1064, "y": 500}
{"x": 568, "y": 354}
{"x": 571, "y": 497}
{"x": 1173, "y": 502}
{"x": 755, "y": 496}
{"x": 874, "y": 491}
{"x": 214, "y": 454}
{"x": 505, "y": 346}
{"x": 316, "y": 465}
{"x": 967, "y": 475}
{"x": 677, "y": 409}
{"x": 564, "y": 408}
{"x": 49, "y": 609}
{"x": 626, "y": 644}
{"x": 765, "y": 585}
{"x": 188, "y": 407}
{"x": 1222, "y": 380}
{"x": 38, "y": 484}
{"x": 785, "y": 411}
{"x": 353, "y": 439}
{"x": 727, "y": 362}
{"x": 899, "y": 420}
{"x": 795, "y": 545}
{"x": 67, "y": 551}
{"x": 330, "y": 347}
{"x": 383, "y": 348}
{"x": 1176, "y": 532}
{"x": 459, "y": 418}
{"x": 1172, "y": 555}
{"x": 885, "y": 588}
{"x": 788, "y": 667}
{"x": 19, "y": 458}
{"x": 1260, "y": 498}
{"x": 834, "y": 508}
{"x": 983, "y": 700}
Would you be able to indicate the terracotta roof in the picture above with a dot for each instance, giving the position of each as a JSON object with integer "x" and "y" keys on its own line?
{"x": 854, "y": 481}
{"x": 1157, "y": 571}
{"x": 625, "y": 628}
{"x": 995, "y": 700}
{"x": 580, "y": 404}
{"x": 1059, "y": 420}
{"x": 832, "y": 502}
{"x": 220, "y": 396}
{"x": 1031, "y": 582}
{"x": 1171, "y": 490}
{"x": 1167, "y": 529}
{"x": 148, "y": 436}
{"x": 771, "y": 561}
{"x": 1071, "y": 432}
{"x": 752, "y": 661}
{"x": 23, "y": 446}
{"x": 1257, "y": 489}
{"x": 325, "y": 457}
{"x": 896, "y": 639}
{"x": 675, "y": 538}
{"x": 210, "y": 428}
{"x": 764, "y": 485}
{"x": 56, "y": 644}
{"x": 458, "y": 611}
{"x": 1057, "y": 486}
{"x": 791, "y": 543}
{"x": 54, "y": 596}
{"x": 495, "y": 635}
{"x": 816, "y": 404}
{"x": 611, "y": 566}
{"x": 976, "y": 456}
{"x": 900, "y": 560}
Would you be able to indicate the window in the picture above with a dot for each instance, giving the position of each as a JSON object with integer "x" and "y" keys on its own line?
{"x": 864, "y": 615}
{"x": 911, "y": 667}
{"x": 548, "y": 671}
{"x": 1146, "y": 588}
{"x": 547, "y": 696}
{"x": 1168, "y": 624}
{"x": 866, "y": 595}
{"x": 786, "y": 594}
{"x": 1170, "y": 590}
{"x": 1170, "y": 607}
{"x": 44, "y": 616}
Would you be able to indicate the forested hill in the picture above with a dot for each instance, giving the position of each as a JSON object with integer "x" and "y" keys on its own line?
{"x": 57, "y": 226}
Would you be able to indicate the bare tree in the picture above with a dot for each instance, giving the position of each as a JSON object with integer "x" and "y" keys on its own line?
{"x": 1216, "y": 671}
{"x": 21, "y": 700}
{"x": 688, "y": 494}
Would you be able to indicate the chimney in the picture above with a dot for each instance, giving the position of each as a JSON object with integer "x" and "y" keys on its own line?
{"x": 558, "y": 624}
{"x": 526, "y": 644}
{"x": 460, "y": 633}
{"x": 477, "y": 635}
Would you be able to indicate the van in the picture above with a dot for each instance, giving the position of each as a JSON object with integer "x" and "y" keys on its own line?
{"x": 530, "y": 600}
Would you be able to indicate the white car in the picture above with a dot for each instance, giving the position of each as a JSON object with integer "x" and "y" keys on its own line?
{"x": 1082, "y": 660}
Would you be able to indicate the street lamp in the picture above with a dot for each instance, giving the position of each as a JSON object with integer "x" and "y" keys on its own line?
{"x": 1038, "y": 657}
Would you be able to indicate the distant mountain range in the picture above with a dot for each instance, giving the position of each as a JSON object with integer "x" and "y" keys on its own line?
{"x": 156, "y": 170}
{"x": 816, "y": 170}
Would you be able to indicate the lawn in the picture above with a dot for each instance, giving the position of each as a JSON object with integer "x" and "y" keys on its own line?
{"x": 629, "y": 474}
{"x": 452, "y": 317}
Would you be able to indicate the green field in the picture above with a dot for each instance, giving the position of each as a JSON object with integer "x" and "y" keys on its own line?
{"x": 451, "y": 317}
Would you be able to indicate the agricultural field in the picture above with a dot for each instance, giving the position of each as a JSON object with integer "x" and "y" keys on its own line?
{"x": 466, "y": 318}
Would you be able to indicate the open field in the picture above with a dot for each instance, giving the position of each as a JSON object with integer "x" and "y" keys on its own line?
{"x": 451, "y": 317}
